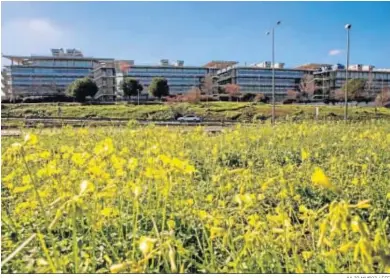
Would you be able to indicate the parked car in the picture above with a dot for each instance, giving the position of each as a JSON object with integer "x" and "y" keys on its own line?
{"x": 189, "y": 119}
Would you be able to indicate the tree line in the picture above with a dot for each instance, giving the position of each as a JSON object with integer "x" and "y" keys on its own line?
{"x": 83, "y": 88}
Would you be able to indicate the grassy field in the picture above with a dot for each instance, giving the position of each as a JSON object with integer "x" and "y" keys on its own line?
{"x": 294, "y": 198}
{"x": 209, "y": 111}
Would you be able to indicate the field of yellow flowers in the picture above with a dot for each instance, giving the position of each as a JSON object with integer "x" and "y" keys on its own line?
{"x": 294, "y": 198}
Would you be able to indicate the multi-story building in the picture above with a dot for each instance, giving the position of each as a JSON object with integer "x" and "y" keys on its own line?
{"x": 104, "y": 76}
{"x": 257, "y": 78}
{"x": 47, "y": 75}
{"x": 50, "y": 75}
{"x": 329, "y": 79}
{"x": 180, "y": 78}
{"x": 5, "y": 86}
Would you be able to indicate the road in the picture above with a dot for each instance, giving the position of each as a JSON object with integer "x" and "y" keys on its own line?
{"x": 17, "y": 132}
{"x": 10, "y": 132}
{"x": 58, "y": 122}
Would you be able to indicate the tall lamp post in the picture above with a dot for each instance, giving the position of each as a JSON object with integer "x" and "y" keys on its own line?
{"x": 348, "y": 28}
{"x": 273, "y": 70}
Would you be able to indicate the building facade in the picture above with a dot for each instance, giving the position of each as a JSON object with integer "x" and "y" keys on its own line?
{"x": 51, "y": 75}
{"x": 104, "y": 76}
{"x": 181, "y": 79}
{"x": 5, "y": 84}
{"x": 329, "y": 79}
{"x": 47, "y": 75}
{"x": 257, "y": 78}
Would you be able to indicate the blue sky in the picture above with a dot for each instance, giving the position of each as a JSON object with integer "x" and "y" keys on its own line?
{"x": 198, "y": 32}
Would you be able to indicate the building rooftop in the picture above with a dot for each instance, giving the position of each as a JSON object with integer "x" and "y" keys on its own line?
{"x": 312, "y": 66}
{"x": 69, "y": 52}
{"x": 25, "y": 59}
{"x": 220, "y": 64}
{"x": 56, "y": 53}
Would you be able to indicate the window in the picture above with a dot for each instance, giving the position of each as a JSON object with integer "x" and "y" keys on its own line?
{"x": 59, "y": 63}
{"x": 44, "y": 63}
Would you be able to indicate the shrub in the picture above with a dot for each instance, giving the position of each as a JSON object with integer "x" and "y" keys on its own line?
{"x": 82, "y": 88}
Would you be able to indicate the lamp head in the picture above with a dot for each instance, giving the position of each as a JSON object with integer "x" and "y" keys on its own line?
{"x": 348, "y": 26}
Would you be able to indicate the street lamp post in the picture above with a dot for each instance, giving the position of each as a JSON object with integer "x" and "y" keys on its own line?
{"x": 347, "y": 27}
{"x": 273, "y": 71}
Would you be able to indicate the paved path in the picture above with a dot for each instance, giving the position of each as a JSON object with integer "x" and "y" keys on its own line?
{"x": 10, "y": 132}
{"x": 211, "y": 129}
{"x": 54, "y": 122}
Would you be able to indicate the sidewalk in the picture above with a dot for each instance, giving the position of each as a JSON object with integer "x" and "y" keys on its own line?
{"x": 10, "y": 132}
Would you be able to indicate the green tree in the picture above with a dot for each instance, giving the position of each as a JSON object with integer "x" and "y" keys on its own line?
{"x": 159, "y": 87}
{"x": 355, "y": 88}
{"x": 69, "y": 89}
{"x": 81, "y": 88}
{"x": 131, "y": 86}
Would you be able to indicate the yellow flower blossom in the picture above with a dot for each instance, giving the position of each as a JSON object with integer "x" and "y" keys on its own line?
{"x": 319, "y": 178}
{"x": 30, "y": 139}
{"x": 146, "y": 245}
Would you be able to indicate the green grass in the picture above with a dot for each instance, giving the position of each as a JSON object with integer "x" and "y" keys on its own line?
{"x": 308, "y": 197}
{"x": 209, "y": 111}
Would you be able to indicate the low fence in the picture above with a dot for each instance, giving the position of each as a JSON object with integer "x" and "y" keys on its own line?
{"x": 47, "y": 122}
{"x": 97, "y": 119}
{"x": 81, "y": 122}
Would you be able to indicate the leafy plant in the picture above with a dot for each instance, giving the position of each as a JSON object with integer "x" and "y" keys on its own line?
{"x": 131, "y": 86}
{"x": 159, "y": 87}
{"x": 82, "y": 88}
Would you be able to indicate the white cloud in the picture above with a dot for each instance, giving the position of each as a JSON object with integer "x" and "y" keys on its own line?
{"x": 34, "y": 36}
{"x": 335, "y": 52}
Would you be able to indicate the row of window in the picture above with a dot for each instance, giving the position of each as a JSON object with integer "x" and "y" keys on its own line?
{"x": 42, "y": 80}
{"x": 16, "y": 86}
{"x": 267, "y": 81}
{"x": 267, "y": 85}
{"x": 377, "y": 83}
{"x": 174, "y": 86}
{"x": 107, "y": 72}
{"x": 264, "y": 86}
{"x": 172, "y": 80}
{"x": 133, "y": 74}
{"x": 365, "y": 75}
{"x": 62, "y": 63}
{"x": 37, "y": 79}
{"x": 262, "y": 72}
{"x": 21, "y": 82}
{"x": 163, "y": 71}
{"x": 263, "y": 90}
{"x": 17, "y": 70}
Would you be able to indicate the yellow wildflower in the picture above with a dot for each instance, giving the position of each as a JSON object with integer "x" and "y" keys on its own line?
{"x": 146, "y": 245}
{"x": 30, "y": 139}
{"x": 319, "y": 178}
{"x": 116, "y": 268}
{"x": 307, "y": 255}
{"x": 304, "y": 155}
{"x": 216, "y": 232}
